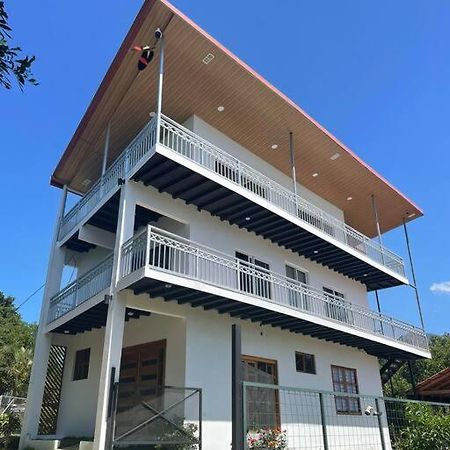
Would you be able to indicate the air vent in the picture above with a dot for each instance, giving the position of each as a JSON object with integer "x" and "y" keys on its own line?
{"x": 208, "y": 58}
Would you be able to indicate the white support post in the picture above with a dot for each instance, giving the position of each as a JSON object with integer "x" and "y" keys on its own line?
{"x": 112, "y": 346}
{"x": 160, "y": 88}
{"x": 292, "y": 155}
{"x": 106, "y": 148}
{"x": 35, "y": 394}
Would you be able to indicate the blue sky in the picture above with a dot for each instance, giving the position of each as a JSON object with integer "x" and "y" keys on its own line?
{"x": 376, "y": 74}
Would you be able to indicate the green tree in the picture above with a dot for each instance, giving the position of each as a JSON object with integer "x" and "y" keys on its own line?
{"x": 13, "y": 65}
{"x": 16, "y": 348}
{"x": 422, "y": 369}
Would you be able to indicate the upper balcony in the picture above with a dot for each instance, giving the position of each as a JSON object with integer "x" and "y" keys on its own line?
{"x": 165, "y": 265}
{"x": 187, "y": 166}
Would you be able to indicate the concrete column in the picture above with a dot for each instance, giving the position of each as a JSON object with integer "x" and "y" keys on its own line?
{"x": 43, "y": 340}
{"x": 112, "y": 346}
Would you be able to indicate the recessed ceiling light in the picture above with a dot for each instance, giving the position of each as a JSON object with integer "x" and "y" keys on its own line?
{"x": 168, "y": 285}
{"x": 152, "y": 114}
{"x": 349, "y": 198}
{"x": 274, "y": 146}
{"x": 221, "y": 108}
{"x": 130, "y": 313}
{"x": 335, "y": 156}
{"x": 365, "y": 275}
{"x": 315, "y": 174}
{"x": 316, "y": 251}
{"x": 208, "y": 58}
{"x": 86, "y": 182}
{"x": 248, "y": 218}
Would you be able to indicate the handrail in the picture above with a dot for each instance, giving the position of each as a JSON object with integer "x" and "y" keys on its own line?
{"x": 164, "y": 251}
{"x": 82, "y": 289}
{"x": 140, "y": 146}
{"x": 197, "y": 149}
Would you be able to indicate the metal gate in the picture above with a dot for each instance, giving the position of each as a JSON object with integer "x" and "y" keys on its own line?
{"x": 163, "y": 416}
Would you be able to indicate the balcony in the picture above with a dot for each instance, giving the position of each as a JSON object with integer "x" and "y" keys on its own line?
{"x": 81, "y": 290}
{"x": 187, "y": 166}
{"x": 165, "y": 265}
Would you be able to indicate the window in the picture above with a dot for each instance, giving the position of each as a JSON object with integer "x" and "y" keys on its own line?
{"x": 81, "y": 369}
{"x": 297, "y": 299}
{"x": 263, "y": 404}
{"x": 305, "y": 363}
{"x": 254, "y": 280}
{"x": 345, "y": 380}
{"x": 335, "y": 308}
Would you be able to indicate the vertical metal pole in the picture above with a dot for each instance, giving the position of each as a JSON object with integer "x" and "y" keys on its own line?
{"x": 106, "y": 148}
{"x": 291, "y": 151}
{"x": 412, "y": 377}
{"x": 413, "y": 273}
{"x": 236, "y": 389}
{"x": 324, "y": 423}
{"x": 379, "y": 309}
{"x": 377, "y": 223}
{"x": 160, "y": 88}
{"x": 200, "y": 419}
{"x": 380, "y": 423}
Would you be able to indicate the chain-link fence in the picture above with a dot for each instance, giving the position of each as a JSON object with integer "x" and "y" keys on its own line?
{"x": 10, "y": 404}
{"x": 313, "y": 420}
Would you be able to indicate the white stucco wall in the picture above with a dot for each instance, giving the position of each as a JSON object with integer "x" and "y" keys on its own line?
{"x": 211, "y": 231}
{"x": 79, "y": 398}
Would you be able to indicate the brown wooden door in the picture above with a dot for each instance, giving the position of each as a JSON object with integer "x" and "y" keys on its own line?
{"x": 263, "y": 406}
{"x": 141, "y": 373}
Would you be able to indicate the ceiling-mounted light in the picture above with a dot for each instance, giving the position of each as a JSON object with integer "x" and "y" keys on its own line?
{"x": 349, "y": 198}
{"x": 248, "y": 219}
{"x": 66, "y": 331}
{"x": 221, "y": 108}
{"x": 168, "y": 285}
{"x": 274, "y": 146}
{"x": 410, "y": 216}
{"x": 335, "y": 156}
{"x": 315, "y": 174}
{"x": 130, "y": 313}
{"x": 316, "y": 251}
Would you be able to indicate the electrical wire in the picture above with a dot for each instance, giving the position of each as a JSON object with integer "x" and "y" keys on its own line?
{"x": 29, "y": 297}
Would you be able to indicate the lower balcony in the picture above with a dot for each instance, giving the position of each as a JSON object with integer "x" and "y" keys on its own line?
{"x": 165, "y": 265}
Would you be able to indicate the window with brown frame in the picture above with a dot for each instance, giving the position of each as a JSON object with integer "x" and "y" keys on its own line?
{"x": 81, "y": 367}
{"x": 305, "y": 363}
{"x": 345, "y": 380}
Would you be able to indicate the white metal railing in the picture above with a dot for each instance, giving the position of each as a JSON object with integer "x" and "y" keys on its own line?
{"x": 191, "y": 146}
{"x": 141, "y": 145}
{"x": 81, "y": 290}
{"x": 164, "y": 251}
{"x": 196, "y": 149}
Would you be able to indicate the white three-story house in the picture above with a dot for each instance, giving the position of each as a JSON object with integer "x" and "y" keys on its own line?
{"x": 209, "y": 199}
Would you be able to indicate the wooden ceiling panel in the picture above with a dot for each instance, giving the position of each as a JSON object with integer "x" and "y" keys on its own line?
{"x": 256, "y": 116}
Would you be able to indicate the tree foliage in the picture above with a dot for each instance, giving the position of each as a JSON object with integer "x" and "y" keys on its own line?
{"x": 427, "y": 429}
{"x": 422, "y": 369}
{"x": 16, "y": 349}
{"x": 13, "y": 65}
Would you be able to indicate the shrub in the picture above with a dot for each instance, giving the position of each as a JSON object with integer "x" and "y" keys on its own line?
{"x": 426, "y": 429}
{"x": 9, "y": 425}
{"x": 268, "y": 438}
